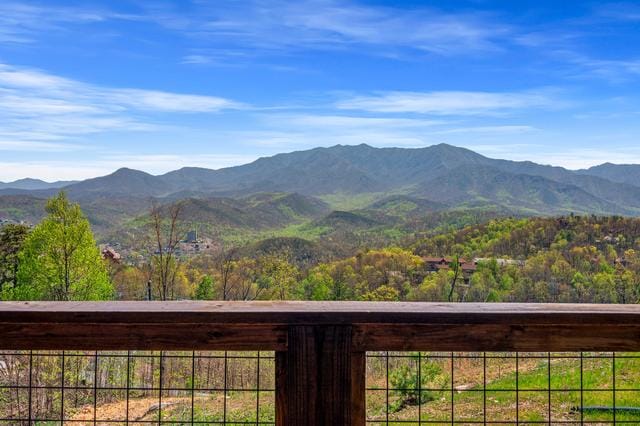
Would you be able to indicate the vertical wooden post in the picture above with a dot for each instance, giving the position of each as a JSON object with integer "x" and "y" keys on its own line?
{"x": 319, "y": 379}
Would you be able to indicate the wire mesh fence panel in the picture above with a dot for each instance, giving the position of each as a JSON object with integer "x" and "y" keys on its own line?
{"x": 136, "y": 388}
{"x": 429, "y": 388}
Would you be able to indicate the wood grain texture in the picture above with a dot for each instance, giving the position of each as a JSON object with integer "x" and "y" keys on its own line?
{"x": 281, "y": 388}
{"x": 496, "y": 337}
{"x": 358, "y": 388}
{"x": 264, "y": 325}
{"x": 316, "y": 313}
{"x": 321, "y": 379}
{"x": 143, "y": 336}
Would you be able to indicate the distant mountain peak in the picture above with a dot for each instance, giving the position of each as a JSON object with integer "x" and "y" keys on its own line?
{"x": 610, "y": 165}
{"x": 620, "y": 173}
{"x": 29, "y": 180}
{"x": 444, "y": 145}
{"x": 128, "y": 171}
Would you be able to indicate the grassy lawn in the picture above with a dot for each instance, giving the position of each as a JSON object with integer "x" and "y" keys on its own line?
{"x": 540, "y": 385}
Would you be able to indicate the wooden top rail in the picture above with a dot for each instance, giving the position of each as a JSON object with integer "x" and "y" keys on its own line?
{"x": 191, "y": 325}
{"x": 273, "y": 312}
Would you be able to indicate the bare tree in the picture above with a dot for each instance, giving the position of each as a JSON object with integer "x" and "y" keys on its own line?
{"x": 166, "y": 233}
{"x": 237, "y": 275}
{"x": 226, "y": 264}
{"x": 456, "y": 272}
{"x": 246, "y": 286}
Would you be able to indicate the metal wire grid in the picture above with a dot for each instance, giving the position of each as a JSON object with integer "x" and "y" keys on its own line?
{"x": 503, "y": 388}
{"x": 238, "y": 388}
{"x": 137, "y": 388}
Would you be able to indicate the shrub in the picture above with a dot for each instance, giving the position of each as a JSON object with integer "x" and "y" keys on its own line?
{"x": 410, "y": 386}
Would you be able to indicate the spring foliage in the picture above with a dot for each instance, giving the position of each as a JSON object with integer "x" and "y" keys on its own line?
{"x": 60, "y": 260}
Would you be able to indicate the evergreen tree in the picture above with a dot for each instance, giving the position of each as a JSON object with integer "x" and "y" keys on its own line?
{"x": 12, "y": 238}
{"x": 204, "y": 291}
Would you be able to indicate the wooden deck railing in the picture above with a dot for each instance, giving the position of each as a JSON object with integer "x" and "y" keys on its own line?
{"x": 320, "y": 346}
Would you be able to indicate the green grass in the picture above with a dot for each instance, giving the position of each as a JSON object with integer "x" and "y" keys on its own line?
{"x": 535, "y": 391}
{"x": 240, "y": 407}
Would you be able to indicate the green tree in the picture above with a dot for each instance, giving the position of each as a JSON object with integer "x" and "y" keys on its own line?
{"x": 205, "y": 290}
{"x": 434, "y": 288}
{"x": 603, "y": 288}
{"x": 12, "y": 238}
{"x": 483, "y": 286}
{"x": 277, "y": 277}
{"x": 318, "y": 285}
{"x": 384, "y": 293}
{"x": 60, "y": 259}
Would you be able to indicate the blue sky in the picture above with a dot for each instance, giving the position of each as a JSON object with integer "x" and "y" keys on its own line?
{"x": 87, "y": 87}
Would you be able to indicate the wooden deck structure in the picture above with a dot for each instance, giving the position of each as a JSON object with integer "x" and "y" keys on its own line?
{"x": 320, "y": 346}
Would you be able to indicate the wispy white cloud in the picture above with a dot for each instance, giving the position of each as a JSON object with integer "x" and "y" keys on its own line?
{"x": 619, "y": 11}
{"x": 297, "y": 130}
{"x": 615, "y": 71}
{"x": 39, "y": 146}
{"x": 154, "y": 164}
{"x": 450, "y": 102}
{"x": 328, "y": 121}
{"x": 152, "y": 100}
{"x": 36, "y": 106}
{"x": 501, "y": 130}
{"x": 13, "y": 104}
{"x": 197, "y": 59}
{"x": 220, "y": 56}
{"x": 23, "y": 23}
{"x": 32, "y": 79}
{"x": 285, "y": 138}
{"x": 330, "y": 24}
{"x": 548, "y": 38}
{"x": 61, "y": 94}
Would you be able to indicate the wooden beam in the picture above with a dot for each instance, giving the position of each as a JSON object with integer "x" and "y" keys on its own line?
{"x": 320, "y": 380}
{"x": 142, "y": 336}
{"x": 497, "y": 337}
{"x": 317, "y": 313}
{"x": 263, "y": 325}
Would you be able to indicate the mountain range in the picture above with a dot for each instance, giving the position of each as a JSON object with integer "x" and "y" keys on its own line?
{"x": 32, "y": 184}
{"x": 333, "y": 185}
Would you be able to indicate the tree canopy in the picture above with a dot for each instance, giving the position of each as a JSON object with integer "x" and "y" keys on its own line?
{"x": 12, "y": 237}
{"x": 60, "y": 259}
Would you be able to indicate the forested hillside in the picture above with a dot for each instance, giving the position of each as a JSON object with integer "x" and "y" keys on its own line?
{"x": 299, "y": 249}
{"x": 564, "y": 259}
